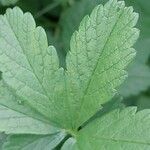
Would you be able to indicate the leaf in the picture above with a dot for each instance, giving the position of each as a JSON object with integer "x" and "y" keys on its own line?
{"x": 33, "y": 142}
{"x": 79, "y": 9}
{"x": 16, "y": 123}
{"x": 28, "y": 64}
{"x": 115, "y": 103}
{"x": 16, "y": 118}
{"x": 100, "y": 51}
{"x": 117, "y": 130}
{"x": 8, "y": 2}
{"x": 11, "y": 101}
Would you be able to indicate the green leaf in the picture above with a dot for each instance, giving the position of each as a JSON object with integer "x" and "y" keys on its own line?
{"x": 72, "y": 17}
{"x": 99, "y": 53}
{"x": 17, "y": 118}
{"x": 8, "y": 2}
{"x": 13, "y": 122}
{"x": 29, "y": 66}
{"x": 33, "y": 142}
{"x": 10, "y": 100}
{"x": 117, "y": 130}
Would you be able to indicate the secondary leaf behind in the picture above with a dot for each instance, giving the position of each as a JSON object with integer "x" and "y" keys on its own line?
{"x": 117, "y": 130}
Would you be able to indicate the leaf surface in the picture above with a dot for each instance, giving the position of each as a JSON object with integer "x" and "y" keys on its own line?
{"x": 99, "y": 52}
{"x": 33, "y": 142}
{"x": 11, "y": 101}
{"x": 27, "y": 63}
{"x": 18, "y": 118}
{"x": 83, "y": 7}
{"x": 117, "y": 130}
{"x": 13, "y": 122}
